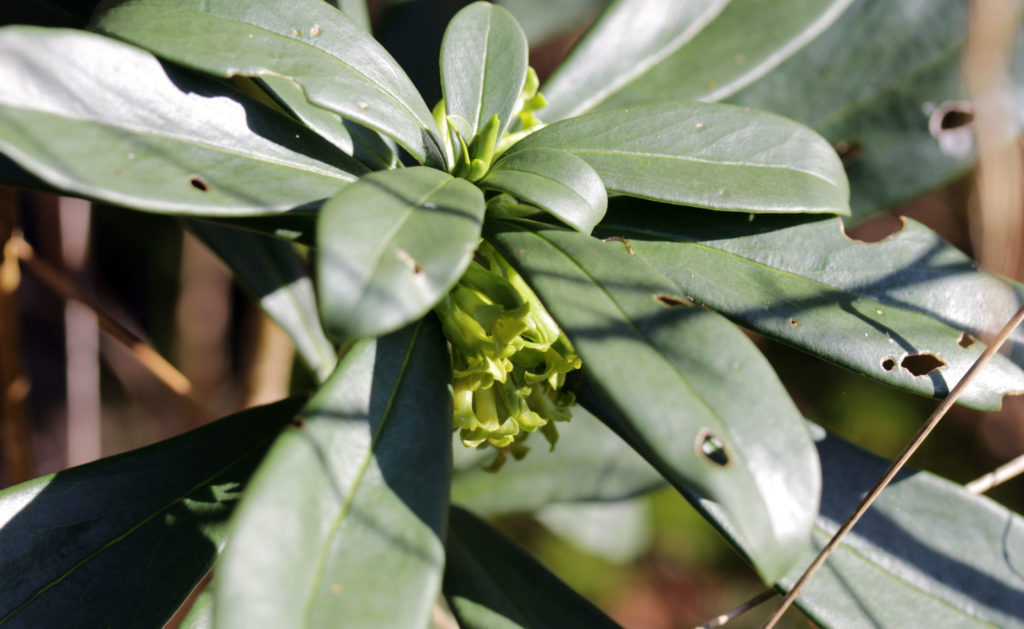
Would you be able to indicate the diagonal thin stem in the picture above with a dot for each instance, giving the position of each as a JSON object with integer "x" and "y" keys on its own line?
{"x": 1000, "y": 475}
{"x": 897, "y": 465}
{"x": 719, "y": 621}
{"x": 146, "y": 355}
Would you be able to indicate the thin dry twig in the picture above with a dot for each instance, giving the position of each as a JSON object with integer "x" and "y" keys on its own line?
{"x": 898, "y": 464}
{"x": 1000, "y": 475}
{"x": 146, "y": 355}
{"x": 719, "y": 621}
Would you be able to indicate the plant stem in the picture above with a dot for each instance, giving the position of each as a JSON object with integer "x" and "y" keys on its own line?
{"x": 1001, "y": 474}
{"x": 897, "y": 465}
{"x": 721, "y": 620}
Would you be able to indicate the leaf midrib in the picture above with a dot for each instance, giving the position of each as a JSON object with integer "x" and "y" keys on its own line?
{"x": 196, "y": 142}
{"x": 132, "y": 529}
{"x": 357, "y": 479}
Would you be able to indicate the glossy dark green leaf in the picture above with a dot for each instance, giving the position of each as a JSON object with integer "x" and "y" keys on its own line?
{"x": 338, "y": 65}
{"x": 491, "y": 583}
{"x": 706, "y": 155}
{"x": 589, "y": 464}
{"x": 150, "y": 138}
{"x": 392, "y": 245}
{"x": 483, "y": 65}
{"x": 872, "y": 308}
{"x": 344, "y": 522}
{"x": 701, "y": 51}
{"x": 681, "y": 385}
{"x": 121, "y": 542}
{"x": 880, "y": 84}
{"x": 273, "y": 273}
{"x": 613, "y": 53}
{"x": 927, "y": 554}
{"x": 364, "y": 144}
{"x": 558, "y": 182}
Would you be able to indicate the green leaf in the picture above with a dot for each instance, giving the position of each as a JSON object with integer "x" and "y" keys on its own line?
{"x": 702, "y": 51}
{"x": 343, "y": 524}
{"x": 591, "y": 463}
{"x": 391, "y": 246}
{"x": 707, "y": 155}
{"x": 121, "y": 542}
{"x": 337, "y": 64}
{"x": 560, "y": 183}
{"x": 613, "y": 53}
{"x": 927, "y": 554}
{"x": 483, "y": 65}
{"x": 867, "y": 307}
{"x": 364, "y": 144}
{"x": 273, "y": 273}
{"x": 879, "y": 84}
{"x": 200, "y": 615}
{"x": 491, "y": 583}
{"x": 682, "y": 386}
{"x": 151, "y": 138}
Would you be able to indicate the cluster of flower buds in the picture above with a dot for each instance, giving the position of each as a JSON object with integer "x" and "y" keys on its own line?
{"x": 509, "y": 359}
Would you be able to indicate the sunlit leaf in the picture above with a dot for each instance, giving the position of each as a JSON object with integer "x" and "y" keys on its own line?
{"x": 392, "y": 246}
{"x": 483, "y": 65}
{"x": 344, "y": 522}
{"x": 681, "y": 385}
{"x": 706, "y": 155}
{"x": 149, "y": 137}
{"x": 122, "y": 541}
{"x": 908, "y": 311}
{"x": 337, "y": 64}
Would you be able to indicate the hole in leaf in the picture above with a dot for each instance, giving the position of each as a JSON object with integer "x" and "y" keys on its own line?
{"x": 629, "y": 248}
{"x": 794, "y": 323}
{"x": 199, "y": 183}
{"x": 712, "y": 448}
{"x": 849, "y": 151}
{"x": 409, "y": 261}
{"x": 922, "y": 364}
{"x": 673, "y": 301}
{"x": 956, "y": 118}
{"x": 966, "y": 340}
{"x": 888, "y": 364}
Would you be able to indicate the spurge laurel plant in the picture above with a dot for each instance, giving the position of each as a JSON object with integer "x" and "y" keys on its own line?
{"x": 495, "y": 266}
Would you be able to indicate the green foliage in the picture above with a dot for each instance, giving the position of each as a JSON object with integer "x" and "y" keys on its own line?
{"x": 480, "y": 266}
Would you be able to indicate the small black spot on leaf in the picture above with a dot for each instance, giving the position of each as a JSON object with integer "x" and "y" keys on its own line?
{"x": 673, "y": 301}
{"x": 298, "y": 421}
{"x": 794, "y": 323}
{"x": 888, "y": 364}
{"x": 712, "y": 448}
{"x": 199, "y": 183}
{"x": 922, "y": 364}
{"x": 966, "y": 340}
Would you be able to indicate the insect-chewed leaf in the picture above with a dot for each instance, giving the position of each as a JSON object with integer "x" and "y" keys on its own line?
{"x": 681, "y": 385}
{"x": 150, "y": 137}
{"x": 392, "y": 245}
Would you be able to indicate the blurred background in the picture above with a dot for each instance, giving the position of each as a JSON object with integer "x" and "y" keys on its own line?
{"x": 88, "y": 292}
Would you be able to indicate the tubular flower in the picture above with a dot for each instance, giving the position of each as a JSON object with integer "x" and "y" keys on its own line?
{"x": 509, "y": 359}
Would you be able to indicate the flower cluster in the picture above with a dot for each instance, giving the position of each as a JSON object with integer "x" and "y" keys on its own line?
{"x": 509, "y": 359}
